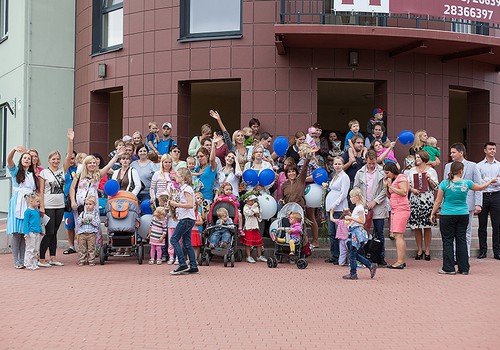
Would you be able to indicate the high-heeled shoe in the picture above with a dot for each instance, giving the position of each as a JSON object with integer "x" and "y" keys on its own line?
{"x": 397, "y": 267}
{"x": 419, "y": 256}
{"x": 427, "y": 257}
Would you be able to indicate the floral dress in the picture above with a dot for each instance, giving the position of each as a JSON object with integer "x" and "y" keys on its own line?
{"x": 87, "y": 187}
{"x": 421, "y": 204}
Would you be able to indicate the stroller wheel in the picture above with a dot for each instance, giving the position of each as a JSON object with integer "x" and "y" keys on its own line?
{"x": 140, "y": 253}
{"x": 302, "y": 264}
{"x": 232, "y": 260}
{"x": 200, "y": 259}
{"x": 270, "y": 263}
{"x": 225, "y": 260}
{"x": 239, "y": 255}
{"x": 207, "y": 259}
{"x": 275, "y": 263}
{"x": 102, "y": 255}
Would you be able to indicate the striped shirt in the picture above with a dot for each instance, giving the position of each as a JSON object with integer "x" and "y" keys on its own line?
{"x": 158, "y": 228}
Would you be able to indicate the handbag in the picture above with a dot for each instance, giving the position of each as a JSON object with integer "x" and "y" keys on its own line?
{"x": 373, "y": 250}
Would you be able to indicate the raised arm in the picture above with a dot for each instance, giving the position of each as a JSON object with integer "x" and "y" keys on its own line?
{"x": 10, "y": 156}
{"x": 113, "y": 160}
{"x": 69, "y": 149}
{"x": 213, "y": 163}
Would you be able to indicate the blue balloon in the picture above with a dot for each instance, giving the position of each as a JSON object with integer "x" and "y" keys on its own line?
{"x": 280, "y": 146}
{"x": 111, "y": 187}
{"x": 266, "y": 177}
{"x": 320, "y": 175}
{"x": 146, "y": 207}
{"x": 406, "y": 137}
{"x": 251, "y": 177}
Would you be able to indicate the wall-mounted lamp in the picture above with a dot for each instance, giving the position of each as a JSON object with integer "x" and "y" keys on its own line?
{"x": 101, "y": 70}
{"x": 353, "y": 58}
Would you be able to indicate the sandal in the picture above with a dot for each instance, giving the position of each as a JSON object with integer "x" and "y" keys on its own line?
{"x": 70, "y": 250}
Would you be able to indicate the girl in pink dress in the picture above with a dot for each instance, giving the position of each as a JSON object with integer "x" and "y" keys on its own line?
{"x": 396, "y": 188}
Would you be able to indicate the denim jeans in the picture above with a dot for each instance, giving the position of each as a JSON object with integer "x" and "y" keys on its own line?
{"x": 216, "y": 236}
{"x": 354, "y": 257}
{"x": 183, "y": 231}
{"x": 378, "y": 230}
{"x": 332, "y": 230}
{"x": 453, "y": 230}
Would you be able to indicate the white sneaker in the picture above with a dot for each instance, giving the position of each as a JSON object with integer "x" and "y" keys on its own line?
{"x": 41, "y": 264}
{"x": 159, "y": 262}
{"x": 176, "y": 262}
{"x": 151, "y": 261}
{"x": 170, "y": 261}
{"x": 250, "y": 260}
{"x": 262, "y": 258}
{"x": 56, "y": 263}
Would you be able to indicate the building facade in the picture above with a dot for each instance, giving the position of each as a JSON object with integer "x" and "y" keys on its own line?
{"x": 288, "y": 63}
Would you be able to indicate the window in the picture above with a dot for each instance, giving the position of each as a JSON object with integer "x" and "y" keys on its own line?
{"x": 107, "y": 25}
{"x": 4, "y": 19}
{"x": 3, "y": 140}
{"x": 210, "y": 19}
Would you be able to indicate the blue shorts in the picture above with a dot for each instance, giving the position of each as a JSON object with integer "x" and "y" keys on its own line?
{"x": 69, "y": 221}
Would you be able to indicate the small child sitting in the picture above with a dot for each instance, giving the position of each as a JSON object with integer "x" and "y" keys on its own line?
{"x": 89, "y": 224}
{"x": 225, "y": 193}
{"x": 353, "y": 131}
{"x": 157, "y": 233}
{"x": 378, "y": 114}
{"x": 432, "y": 149}
{"x": 295, "y": 231}
{"x": 311, "y": 136}
{"x": 342, "y": 234}
{"x": 222, "y": 235}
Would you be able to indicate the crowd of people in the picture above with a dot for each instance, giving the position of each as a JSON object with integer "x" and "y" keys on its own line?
{"x": 366, "y": 186}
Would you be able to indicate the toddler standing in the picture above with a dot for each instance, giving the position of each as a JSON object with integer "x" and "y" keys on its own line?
{"x": 196, "y": 241}
{"x": 357, "y": 236}
{"x": 32, "y": 229}
{"x": 89, "y": 224}
{"x": 252, "y": 237}
{"x": 157, "y": 232}
{"x": 152, "y": 138}
{"x": 342, "y": 234}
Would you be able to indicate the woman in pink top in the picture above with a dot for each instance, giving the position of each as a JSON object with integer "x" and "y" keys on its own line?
{"x": 396, "y": 188}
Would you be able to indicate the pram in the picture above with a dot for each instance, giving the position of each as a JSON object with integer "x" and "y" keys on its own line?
{"x": 279, "y": 228}
{"x": 122, "y": 221}
{"x": 230, "y": 253}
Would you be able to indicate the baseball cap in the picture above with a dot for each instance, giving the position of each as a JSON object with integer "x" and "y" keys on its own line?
{"x": 167, "y": 124}
{"x": 127, "y": 138}
{"x": 377, "y": 111}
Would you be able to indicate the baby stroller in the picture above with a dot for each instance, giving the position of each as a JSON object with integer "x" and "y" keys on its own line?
{"x": 229, "y": 252}
{"x": 279, "y": 228}
{"x": 122, "y": 221}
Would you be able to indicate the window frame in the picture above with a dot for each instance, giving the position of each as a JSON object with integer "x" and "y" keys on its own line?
{"x": 4, "y": 21}
{"x": 185, "y": 24}
{"x": 99, "y": 10}
{"x": 3, "y": 148}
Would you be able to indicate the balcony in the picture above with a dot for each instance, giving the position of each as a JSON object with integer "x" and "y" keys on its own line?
{"x": 317, "y": 24}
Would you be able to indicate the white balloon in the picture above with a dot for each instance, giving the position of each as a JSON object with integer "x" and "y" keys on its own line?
{"x": 145, "y": 222}
{"x": 313, "y": 196}
{"x": 268, "y": 206}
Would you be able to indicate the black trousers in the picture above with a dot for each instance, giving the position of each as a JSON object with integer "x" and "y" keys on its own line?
{"x": 49, "y": 241}
{"x": 453, "y": 229}
{"x": 491, "y": 206}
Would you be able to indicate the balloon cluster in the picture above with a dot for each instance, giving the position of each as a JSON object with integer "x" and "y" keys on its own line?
{"x": 264, "y": 178}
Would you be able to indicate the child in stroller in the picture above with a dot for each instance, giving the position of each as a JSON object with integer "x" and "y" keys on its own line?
{"x": 221, "y": 235}
{"x": 212, "y": 234}
{"x": 295, "y": 231}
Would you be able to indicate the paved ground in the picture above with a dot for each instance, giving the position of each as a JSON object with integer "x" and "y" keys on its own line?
{"x": 123, "y": 305}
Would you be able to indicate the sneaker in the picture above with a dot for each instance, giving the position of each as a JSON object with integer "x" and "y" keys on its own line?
{"x": 159, "y": 262}
{"x": 176, "y": 262}
{"x": 463, "y": 272}
{"x": 91, "y": 264}
{"x": 56, "y": 263}
{"x": 41, "y": 264}
{"x": 250, "y": 260}
{"x": 373, "y": 270}
{"x": 262, "y": 258}
{"x": 70, "y": 250}
{"x": 443, "y": 272}
{"x": 350, "y": 277}
{"x": 170, "y": 261}
{"x": 180, "y": 270}
{"x": 163, "y": 258}
{"x": 81, "y": 264}
{"x": 19, "y": 267}
{"x": 151, "y": 261}
{"x": 193, "y": 270}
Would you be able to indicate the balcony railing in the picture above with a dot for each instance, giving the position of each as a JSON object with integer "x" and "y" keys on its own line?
{"x": 321, "y": 12}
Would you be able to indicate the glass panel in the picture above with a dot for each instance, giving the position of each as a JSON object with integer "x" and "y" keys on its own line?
{"x": 108, "y": 3}
{"x": 214, "y": 16}
{"x": 112, "y": 28}
{"x": 3, "y": 133}
{"x": 3, "y": 18}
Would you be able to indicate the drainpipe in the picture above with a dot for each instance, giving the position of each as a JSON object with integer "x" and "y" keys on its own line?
{"x": 27, "y": 85}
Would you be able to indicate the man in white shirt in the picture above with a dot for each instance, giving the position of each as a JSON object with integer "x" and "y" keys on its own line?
{"x": 489, "y": 168}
